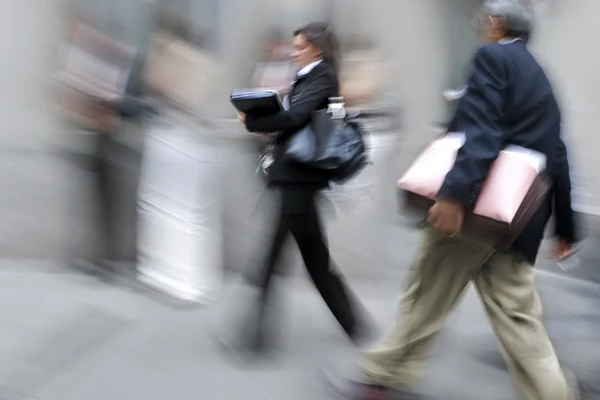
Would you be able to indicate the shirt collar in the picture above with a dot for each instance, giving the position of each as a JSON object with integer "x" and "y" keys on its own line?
{"x": 507, "y": 41}
{"x": 306, "y": 70}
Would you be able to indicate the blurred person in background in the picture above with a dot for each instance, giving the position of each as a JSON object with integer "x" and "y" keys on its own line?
{"x": 363, "y": 79}
{"x": 100, "y": 86}
{"x": 276, "y": 70}
{"x": 362, "y": 75}
{"x": 315, "y": 53}
{"x": 509, "y": 101}
{"x": 179, "y": 199}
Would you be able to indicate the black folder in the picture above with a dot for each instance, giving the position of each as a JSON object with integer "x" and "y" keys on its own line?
{"x": 258, "y": 103}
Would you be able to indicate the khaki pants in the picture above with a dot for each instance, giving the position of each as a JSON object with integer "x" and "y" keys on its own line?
{"x": 506, "y": 285}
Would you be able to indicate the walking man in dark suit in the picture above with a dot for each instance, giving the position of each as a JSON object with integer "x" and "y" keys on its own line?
{"x": 509, "y": 101}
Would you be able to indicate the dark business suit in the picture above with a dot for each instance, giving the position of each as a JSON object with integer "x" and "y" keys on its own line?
{"x": 566, "y": 227}
{"x": 509, "y": 101}
{"x": 298, "y": 186}
{"x": 106, "y": 150}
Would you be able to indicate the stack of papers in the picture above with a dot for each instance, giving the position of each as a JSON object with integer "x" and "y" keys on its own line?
{"x": 252, "y": 93}
{"x": 257, "y": 102}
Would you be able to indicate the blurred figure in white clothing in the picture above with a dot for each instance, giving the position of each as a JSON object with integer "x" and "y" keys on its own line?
{"x": 180, "y": 244}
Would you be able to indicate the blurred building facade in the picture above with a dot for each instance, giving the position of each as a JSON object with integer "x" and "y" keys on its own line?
{"x": 427, "y": 42}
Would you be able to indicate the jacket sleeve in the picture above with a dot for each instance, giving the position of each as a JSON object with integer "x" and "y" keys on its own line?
{"x": 132, "y": 105}
{"x": 288, "y": 122}
{"x": 565, "y": 222}
{"x": 480, "y": 116}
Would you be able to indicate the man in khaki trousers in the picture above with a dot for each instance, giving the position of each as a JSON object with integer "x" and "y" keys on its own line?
{"x": 509, "y": 101}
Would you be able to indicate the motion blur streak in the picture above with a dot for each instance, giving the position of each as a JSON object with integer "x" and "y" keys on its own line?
{"x": 121, "y": 158}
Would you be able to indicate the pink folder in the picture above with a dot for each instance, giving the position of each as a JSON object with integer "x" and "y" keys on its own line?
{"x": 508, "y": 194}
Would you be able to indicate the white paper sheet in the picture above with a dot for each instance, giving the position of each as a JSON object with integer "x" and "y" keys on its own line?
{"x": 537, "y": 160}
{"x": 534, "y": 158}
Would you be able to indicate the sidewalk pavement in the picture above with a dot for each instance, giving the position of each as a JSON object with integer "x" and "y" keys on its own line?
{"x": 70, "y": 337}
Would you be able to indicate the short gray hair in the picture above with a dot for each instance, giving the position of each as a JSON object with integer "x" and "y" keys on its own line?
{"x": 518, "y": 15}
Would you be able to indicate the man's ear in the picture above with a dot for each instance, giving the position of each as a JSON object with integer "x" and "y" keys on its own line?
{"x": 496, "y": 23}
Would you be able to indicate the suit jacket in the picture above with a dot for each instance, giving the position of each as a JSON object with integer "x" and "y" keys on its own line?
{"x": 510, "y": 101}
{"x": 567, "y": 227}
{"x": 309, "y": 93}
{"x": 132, "y": 105}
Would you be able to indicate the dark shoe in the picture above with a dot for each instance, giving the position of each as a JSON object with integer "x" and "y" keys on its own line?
{"x": 245, "y": 351}
{"x": 109, "y": 271}
{"x": 364, "y": 335}
{"x": 363, "y": 332}
{"x": 85, "y": 265}
{"x": 355, "y": 385}
{"x": 99, "y": 269}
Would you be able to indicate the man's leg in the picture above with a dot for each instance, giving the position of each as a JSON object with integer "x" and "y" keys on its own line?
{"x": 506, "y": 285}
{"x": 438, "y": 277}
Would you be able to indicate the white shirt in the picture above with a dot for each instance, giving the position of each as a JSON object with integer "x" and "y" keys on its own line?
{"x": 308, "y": 68}
{"x": 506, "y": 41}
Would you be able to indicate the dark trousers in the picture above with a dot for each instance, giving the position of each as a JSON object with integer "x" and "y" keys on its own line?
{"x": 114, "y": 196}
{"x": 298, "y": 216}
{"x": 105, "y": 211}
{"x": 99, "y": 244}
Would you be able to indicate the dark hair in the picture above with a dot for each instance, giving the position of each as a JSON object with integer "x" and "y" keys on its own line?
{"x": 321, "y": 36}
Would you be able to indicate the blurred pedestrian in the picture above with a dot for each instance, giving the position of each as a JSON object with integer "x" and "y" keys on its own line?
{"x": 509, "y": 101}
{"x": 96, "y": 73}
{"x": 363, "y": 74}
{"x": 315, "y": 53}
{"x": 179, "y": 201}
{"x": 275, "y": 70}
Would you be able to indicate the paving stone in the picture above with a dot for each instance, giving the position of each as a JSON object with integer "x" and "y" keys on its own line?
{"x": 58, "y": 349}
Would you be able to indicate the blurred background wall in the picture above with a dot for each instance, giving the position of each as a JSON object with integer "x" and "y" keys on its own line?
{"x": 34, "y": 180}
{"x": 564, "y": 44}
{"x": 428, "y": 44}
